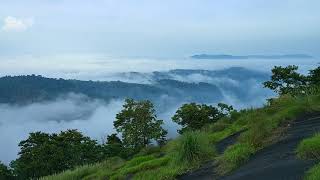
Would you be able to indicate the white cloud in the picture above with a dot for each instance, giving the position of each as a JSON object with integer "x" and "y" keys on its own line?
{"x": 17, "y": 24}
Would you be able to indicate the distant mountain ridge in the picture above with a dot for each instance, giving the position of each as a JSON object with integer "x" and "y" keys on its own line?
{"x": 227, "y": 56}
{"x": 163, "y": 88}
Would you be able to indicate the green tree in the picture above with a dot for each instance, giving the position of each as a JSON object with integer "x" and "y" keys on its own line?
{"x": 5, "y": 172}
{"x": 286, "y": 80}
{"x": 314, "y": 76}
{"x": 225, "y": 109}
{"x": 44, "y": 154}
{"x": 194, "y": 116}
{"x": 113, "y": 147}
{"x": 138, "y": 124}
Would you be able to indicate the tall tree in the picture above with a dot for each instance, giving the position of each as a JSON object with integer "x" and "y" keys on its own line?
{"x": 5, "y": 172}
{"x": 138, "y": 124}
{"x": 285, "y": 80}
{"x": 194, "y": 116}
{"x": 314, "y": 76}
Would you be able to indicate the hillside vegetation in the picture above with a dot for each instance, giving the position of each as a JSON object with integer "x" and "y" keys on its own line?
{"x": 136, "y": 157}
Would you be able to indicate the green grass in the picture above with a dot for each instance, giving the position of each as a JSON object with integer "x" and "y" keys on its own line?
{"x": 234, "y": 156}
{"x": 263, "y": 127}
{"x": 95, "y": 171}
{"x": 309, "y": 148}
{"x": 194, "y": 147}
{"x": 313, "y": 173}
{"x": 187, "y": 152}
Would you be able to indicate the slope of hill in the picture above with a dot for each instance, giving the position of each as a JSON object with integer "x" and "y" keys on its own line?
{"x": 253, "y": 143}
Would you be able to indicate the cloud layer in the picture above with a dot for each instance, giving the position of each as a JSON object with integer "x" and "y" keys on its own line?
{"x": 13, "y": 24}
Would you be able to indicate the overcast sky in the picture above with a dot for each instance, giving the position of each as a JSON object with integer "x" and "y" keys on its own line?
{"x": 159, "y": 27}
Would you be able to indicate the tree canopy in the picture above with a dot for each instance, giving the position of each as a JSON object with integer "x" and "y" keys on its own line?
{"x": 43, "y": 154}
{"x": 286, "y": 80}
{"x": 138, "y": 124}
{"x": 194, "y": 116}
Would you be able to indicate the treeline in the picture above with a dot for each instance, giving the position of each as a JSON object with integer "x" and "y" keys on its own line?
{"x": 33, "y": 88}
{"x": 138, "y": 129}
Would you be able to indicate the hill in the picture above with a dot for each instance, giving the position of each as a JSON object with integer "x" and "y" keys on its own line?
{"x": 226, "y": 56}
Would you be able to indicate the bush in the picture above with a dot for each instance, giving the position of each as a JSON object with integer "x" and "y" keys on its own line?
{"x": 309, "y": 148}
{"x": 313, "y": 173}
{"x": 194, "y": 147}
{"x": 234, "y": 156}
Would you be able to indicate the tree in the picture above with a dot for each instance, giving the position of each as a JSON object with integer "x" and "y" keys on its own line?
{"x": 285, "y": 80}
{"x": 113, "y": 139}
{"x": 44, "y": 154}
{"x": 138, "y": 124}
{"x": 5, "y": 172}
{"x": 113, "y": 147}
{"x": 314, "y": 76}
{"x": 194, "y": 116}
{"x": 225, "y": 109}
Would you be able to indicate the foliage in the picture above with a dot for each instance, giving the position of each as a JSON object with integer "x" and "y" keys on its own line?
{"x": 140, "y": 164}
{"x": 285, "y": 80}
{"x": 313, "y": 173}
{"x": 314, "y": 76}
{"x": 94, "y": 171}
{"x": 309, "y": 148}
{"x": 194, "y": 116}
{"x": 194, "y": 147}
{"x": 234, "y": 156}
{"x": 138, "y": 124}
{"x": 44, "y": 154}
{"x": 5, "y": 172}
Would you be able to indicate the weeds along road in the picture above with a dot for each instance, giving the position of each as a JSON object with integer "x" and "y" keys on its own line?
{"x": 276, "y": 162}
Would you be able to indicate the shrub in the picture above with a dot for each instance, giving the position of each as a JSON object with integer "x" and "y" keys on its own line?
{"x": 313, "y": 173}
{"x": 234, "y": 156}
{"x": 194, "y": 147}
{"x": 309, "y": 148}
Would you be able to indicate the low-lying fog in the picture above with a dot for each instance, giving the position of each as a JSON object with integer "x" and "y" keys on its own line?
{"x": 94, "y": 117}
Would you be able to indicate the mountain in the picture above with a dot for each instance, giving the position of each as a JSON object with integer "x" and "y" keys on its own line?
{"x": 226, "y": 56}
{"x": 176, "y": 86}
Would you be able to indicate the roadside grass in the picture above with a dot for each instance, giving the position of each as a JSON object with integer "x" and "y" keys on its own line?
{"x": 194, "y": 147}
{"x": 309, "y": 149}
{"x": 264, "y": 128}
{"x": 313, "y": 173}
{"x": 187, "y": 152}
{"x": 95, "y": 171}
{"x": 234, "y": 156}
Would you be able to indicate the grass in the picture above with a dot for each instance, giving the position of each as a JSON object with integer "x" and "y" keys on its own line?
{"x": 263, "y": 127}
{"x": 309, "y": 149}
{"x": 95, "y": 171}
{"x": 234, "y": 156}
{"x": 194, "y": 147}
{"x": 313, "y": 173}
{"x": 187, "y": 152}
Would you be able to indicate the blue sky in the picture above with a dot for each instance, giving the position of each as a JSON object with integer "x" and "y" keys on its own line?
{"x": 161, "y": 28}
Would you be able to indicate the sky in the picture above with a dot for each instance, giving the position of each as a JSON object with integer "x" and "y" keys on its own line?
{"x": 159, "y": 28}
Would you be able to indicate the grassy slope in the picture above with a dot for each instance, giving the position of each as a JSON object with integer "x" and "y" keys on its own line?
{"x": 191, "y": 150}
